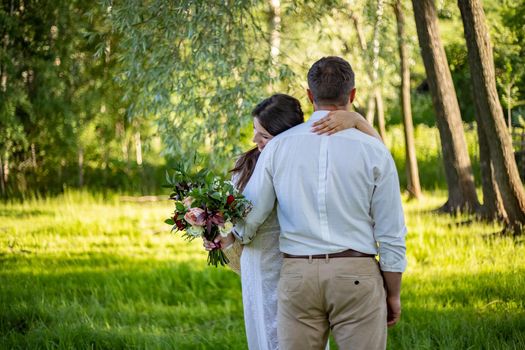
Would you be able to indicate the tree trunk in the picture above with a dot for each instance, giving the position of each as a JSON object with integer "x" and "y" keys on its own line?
{"x": 5, "y": 44}
{"x": 125, "y": 151}
{"x": 370, "y": 109}
{"x": 413, "y": 186}
{"x": 509, "y": 106}
{"x": 138, "y": 153}
{"x": 80, "y": 166}
{"x": 33, "y": 156}
{"x": 492, "y": 203}
{"x": 375, "y": 41}
{"x": 275, "y": 36}
{"x": 376, "y": 92}
{"x": 359, "y": 31}
{"x": 380, "y": 112}
{"x": 5, "y": 170}
{"x": 461, "y": 190}
{"x": 490, "y": 112}
{"x": 371, "y": 105}
{"x": 138, "y": 148}
{"x": 2, "y": 182}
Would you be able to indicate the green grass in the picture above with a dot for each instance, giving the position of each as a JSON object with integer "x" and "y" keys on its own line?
{"x": 429, "y": 154}
{"x": 85, "y": 272}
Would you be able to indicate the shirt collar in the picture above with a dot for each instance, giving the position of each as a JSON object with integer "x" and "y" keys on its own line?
{"x": 317, "y": 115}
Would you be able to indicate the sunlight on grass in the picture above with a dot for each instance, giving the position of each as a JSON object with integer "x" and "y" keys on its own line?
{"x": 84, "y": 271}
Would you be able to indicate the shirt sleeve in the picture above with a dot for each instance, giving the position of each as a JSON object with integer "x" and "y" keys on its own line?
{"x": 260, "y": 191}
{"x": 389, "y": 221}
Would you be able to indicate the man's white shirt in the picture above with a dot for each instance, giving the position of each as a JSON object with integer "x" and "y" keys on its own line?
{"x": 334, "y": 193}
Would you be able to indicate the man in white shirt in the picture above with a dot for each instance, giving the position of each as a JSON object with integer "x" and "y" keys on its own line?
{"x": 339, "y": 206}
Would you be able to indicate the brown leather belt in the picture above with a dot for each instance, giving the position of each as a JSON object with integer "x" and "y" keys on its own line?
{"x": 350, "y": 253}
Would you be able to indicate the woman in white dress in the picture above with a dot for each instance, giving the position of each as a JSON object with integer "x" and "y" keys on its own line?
{"x": 259, "y": 263}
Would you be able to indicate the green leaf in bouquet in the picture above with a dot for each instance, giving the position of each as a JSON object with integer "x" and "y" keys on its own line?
{"x": 216, "y": 195}
{"x": 209, "y": 178}
{"x": 229, "y": 187}
{"x": 180, "y": 207}
{"x": 202, "y": 174}
{"x": 169, "y": 221}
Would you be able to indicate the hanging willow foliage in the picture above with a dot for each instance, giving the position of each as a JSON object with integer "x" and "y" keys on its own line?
{"x": 200, "y": 67}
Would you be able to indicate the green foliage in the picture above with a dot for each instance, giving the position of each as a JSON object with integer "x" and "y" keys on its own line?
{"x": 199, "y": 69}
{"x": 62, "y": 121}
{"x": 84, "y": 82}
{"x": 82, "y": 271}
{"x": 422, "y": 111}
{"x": 429, "y": 154}
{"x": 505, "y": 21}
{"x": 509, "y": 50}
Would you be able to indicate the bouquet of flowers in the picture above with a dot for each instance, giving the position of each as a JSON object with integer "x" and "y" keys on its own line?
{"x": 205, "y": 206}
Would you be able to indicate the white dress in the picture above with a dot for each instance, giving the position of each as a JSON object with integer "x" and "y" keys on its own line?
{"x": 261, "y": 263}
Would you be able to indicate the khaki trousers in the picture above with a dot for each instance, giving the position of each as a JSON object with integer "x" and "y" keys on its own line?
{"x": 344, "y": 295}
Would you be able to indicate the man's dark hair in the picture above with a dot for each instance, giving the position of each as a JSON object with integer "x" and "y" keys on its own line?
{"x": 330, "y": 80}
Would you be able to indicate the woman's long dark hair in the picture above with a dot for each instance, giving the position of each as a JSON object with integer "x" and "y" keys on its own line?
{"x": 276, "y": 114}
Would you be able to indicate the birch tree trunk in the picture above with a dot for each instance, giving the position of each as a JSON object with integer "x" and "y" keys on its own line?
{"x": 275, "y": 36}
{"x": 5, "y": 169}
{"x": 138, "y": 148}
{"x": 375, "y": 70}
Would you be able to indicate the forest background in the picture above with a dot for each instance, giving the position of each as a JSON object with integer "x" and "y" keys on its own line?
{"x": 108, "y": 98}
{"x": 99, "y": 99}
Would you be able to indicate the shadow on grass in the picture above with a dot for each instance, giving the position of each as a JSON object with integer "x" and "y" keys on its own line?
{"x": 463, "y": 289}
{"x": 24, "y": 212}
{"x": 112, "y": 302}
{"x": 457, "y": 329}
{"x": 462, "y": 311}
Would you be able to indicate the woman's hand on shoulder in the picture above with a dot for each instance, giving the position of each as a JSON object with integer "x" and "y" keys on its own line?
{"x": 336, "y": 121}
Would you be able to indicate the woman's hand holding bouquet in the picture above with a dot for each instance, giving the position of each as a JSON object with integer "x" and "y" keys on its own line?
{"x": 205, "y": 206}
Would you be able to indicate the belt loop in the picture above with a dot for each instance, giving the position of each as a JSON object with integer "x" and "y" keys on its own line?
{"x": 326, "y": 259}
{"x": 310, "y": 259}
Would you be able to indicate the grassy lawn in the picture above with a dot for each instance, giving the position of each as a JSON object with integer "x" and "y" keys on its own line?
{"x": 80, "y": 271}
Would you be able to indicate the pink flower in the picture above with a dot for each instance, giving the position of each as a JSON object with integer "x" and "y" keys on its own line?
{"x": 187, "y": 201}
{"x": 195, "y": 217}
{"x": 217, "y": 219}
